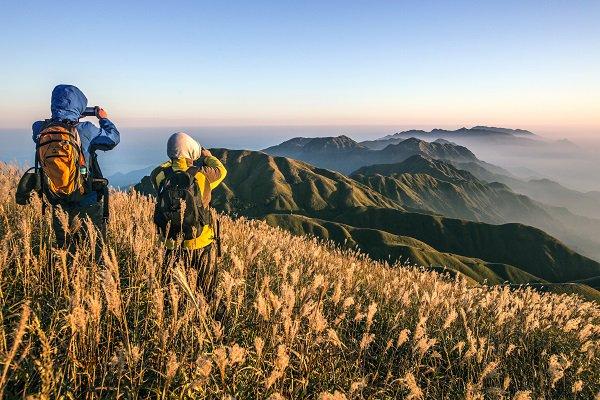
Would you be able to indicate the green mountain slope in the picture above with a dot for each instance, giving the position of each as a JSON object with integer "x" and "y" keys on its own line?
{"x": 524, "y": 247}
{"x": 439, "y": 187}
{"x": 258, "y": 184}
{"x": 418, "y": 164}
{"x": 383, "y": 245}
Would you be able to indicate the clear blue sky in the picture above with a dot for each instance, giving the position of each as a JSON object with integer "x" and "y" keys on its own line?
{"x": 531, "y": 64}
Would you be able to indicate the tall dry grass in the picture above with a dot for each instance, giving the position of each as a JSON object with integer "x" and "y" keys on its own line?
{"x": 303, "y": 319}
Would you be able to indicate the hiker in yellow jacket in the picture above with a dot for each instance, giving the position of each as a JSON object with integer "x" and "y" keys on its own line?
{"x": 182, "y": 214}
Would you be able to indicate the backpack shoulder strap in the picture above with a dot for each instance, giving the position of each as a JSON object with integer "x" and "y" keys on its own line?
{"x": 193, "y": 170}
{"x": 169, "y": 171}
{"x": 154, "y": 175}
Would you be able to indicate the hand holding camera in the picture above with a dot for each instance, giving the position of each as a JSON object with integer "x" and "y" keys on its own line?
{"x": 101, "y": 113}
{"x": 205, "y": 153}
{"x": 95, "y": 111}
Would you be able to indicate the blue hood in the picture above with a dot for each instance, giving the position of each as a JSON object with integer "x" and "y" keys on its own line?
{"x": 68, "y": 102}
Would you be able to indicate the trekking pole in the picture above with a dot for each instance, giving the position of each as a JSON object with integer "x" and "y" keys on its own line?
{"x": 38, "y": 172}
{"x": 219, "y": 254}
{"x": 105, "y": 212}
{"x": 100, "y": 185}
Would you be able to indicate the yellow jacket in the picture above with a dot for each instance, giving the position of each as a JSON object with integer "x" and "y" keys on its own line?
{"x": 211, "y": 174}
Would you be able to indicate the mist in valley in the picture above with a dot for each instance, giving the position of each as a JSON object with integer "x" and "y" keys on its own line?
{"x": 574, "y": 163}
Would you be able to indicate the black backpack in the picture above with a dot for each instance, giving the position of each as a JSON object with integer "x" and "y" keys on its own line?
{"x": 178, "y": 190}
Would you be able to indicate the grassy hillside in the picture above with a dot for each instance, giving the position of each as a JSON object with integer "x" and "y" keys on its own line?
{"x": 385, "y": 246}
{"x": 302, "y": 320}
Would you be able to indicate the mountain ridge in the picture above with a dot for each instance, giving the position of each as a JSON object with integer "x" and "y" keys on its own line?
{"x": 479, "y": 130}
{"x": 345, "y": 155}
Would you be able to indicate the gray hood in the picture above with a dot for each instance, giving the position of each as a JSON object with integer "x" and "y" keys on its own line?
{"x": 182, "y": 145}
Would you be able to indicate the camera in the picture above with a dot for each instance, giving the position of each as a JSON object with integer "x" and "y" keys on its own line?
{"x": 90, "y": 111}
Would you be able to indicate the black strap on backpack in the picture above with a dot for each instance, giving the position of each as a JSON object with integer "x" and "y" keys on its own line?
{"x": 39, "y": 172}
{"x": 218, "y": 237}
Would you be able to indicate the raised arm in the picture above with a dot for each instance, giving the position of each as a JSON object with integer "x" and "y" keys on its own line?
{"x": 213, "y": 169}
{"x": 106, "y": 136}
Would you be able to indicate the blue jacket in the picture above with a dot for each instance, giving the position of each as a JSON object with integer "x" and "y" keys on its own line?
{"x": 68, "y": 103}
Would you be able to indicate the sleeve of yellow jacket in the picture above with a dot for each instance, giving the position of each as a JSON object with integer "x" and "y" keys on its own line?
{"x": 211, "y": 173}
{"x": 213, "y": 170}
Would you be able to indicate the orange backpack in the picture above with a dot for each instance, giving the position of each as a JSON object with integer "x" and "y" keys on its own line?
{"x": 59, "y": 154}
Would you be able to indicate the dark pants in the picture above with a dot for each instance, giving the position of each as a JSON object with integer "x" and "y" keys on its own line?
{"x": 203, "y": 261}
{"x": 70, "y": 226}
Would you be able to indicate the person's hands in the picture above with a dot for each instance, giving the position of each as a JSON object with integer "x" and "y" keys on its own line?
{"x": 101, "y": 113}
{"x": 205, "y": 153}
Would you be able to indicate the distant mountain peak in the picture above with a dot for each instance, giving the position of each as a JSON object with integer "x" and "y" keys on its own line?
{"x": 476, "y": 130}
{"x": 419, "y": 164}
{"x": 567, "y": 143}
{"x": 412, "y": 132}
{"x": 317, "y": 144}
{"x": 514, "y": 132}
{"x": 436, "y": 149}
{"x": 332, "y": 143}
{"x": 341, "y": 153}
{"x": 341, "y": 139}
{"x": 412, "y": 141}
{"x": 444, "y": 141}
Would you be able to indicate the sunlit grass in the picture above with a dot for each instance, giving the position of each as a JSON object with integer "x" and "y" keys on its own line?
{"x": 303, "y": 319}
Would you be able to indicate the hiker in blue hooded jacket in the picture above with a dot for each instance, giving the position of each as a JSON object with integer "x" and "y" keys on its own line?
{"x": 68, "y": 104}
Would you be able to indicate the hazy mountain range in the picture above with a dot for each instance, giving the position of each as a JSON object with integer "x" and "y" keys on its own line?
{"x": 544, "y": 190}
{"x": 522, "y": 152}
{"x": 346, "y": 155}
{"x": 485, "y": 134}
